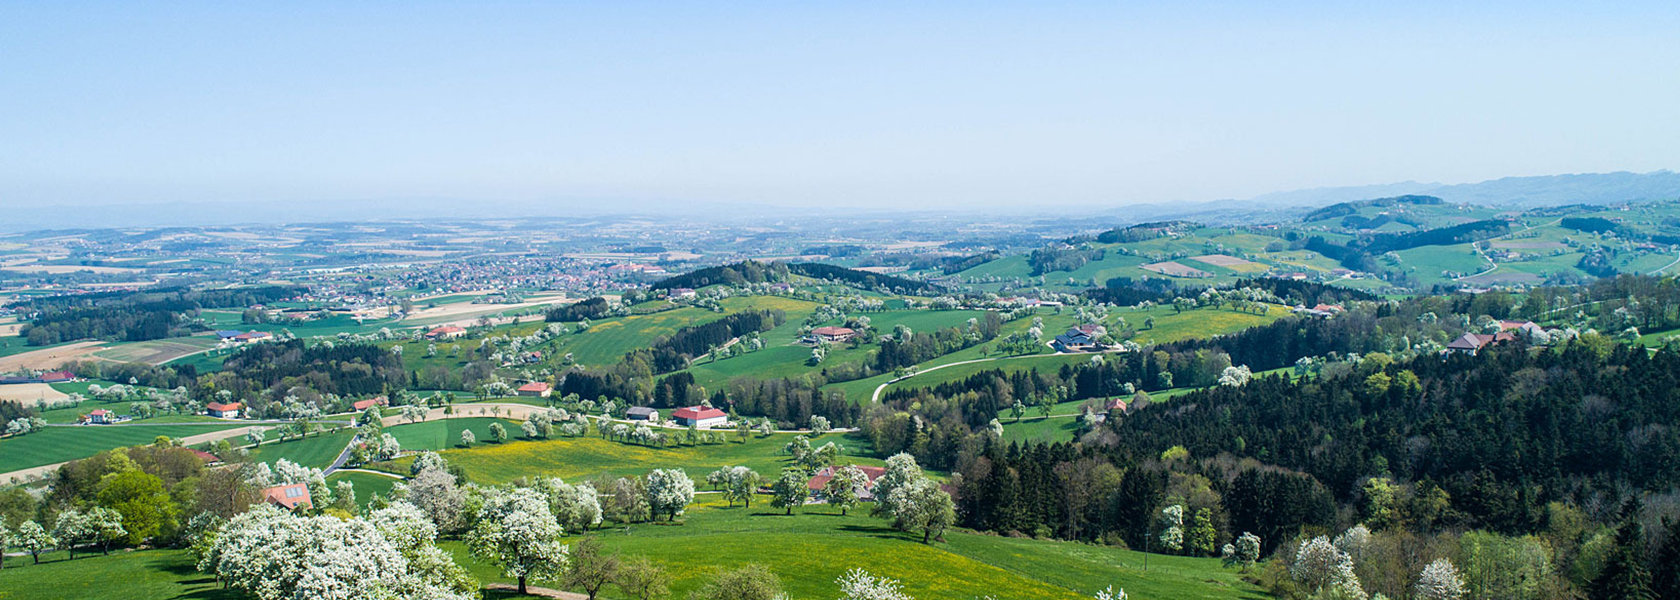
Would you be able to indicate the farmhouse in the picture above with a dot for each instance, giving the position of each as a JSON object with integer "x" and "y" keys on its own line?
{"x": 1471, "y": 343}
{"x": 821, "y": 479}
{"x": 1080, "y": 339}
{"x": 833, "y": 334}
{"x": 252, "y": 336}
{"x": 700, "y": 416}
{"x": 208, "y": 458}
{"x": 48, "y": 377}
{"x": 224, "y": 411}
{"x": 361, "y": 405}
{"x": 290, "y": 496}
{"x": 643, "y": 413}
{"x": 535, "y": 388}
{"x": 1527, "y": 327}
{"x": 682, "y": 293}
{"x": 227, "y": 334}
{"x": 100, "y": 416}
{"x": 447, "y": 332}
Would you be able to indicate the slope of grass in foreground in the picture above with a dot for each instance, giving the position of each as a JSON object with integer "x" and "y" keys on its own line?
{"x": 60, "y": 444}
{"x": 811, "y": 548}
{"x": 807, "y": 550}
{"x": 149, "y": 575}
{"x": 585, "y": 457}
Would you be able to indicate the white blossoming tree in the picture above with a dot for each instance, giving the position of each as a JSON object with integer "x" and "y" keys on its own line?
{"x": 1172, "y": 518}
{"x": 275, "y": 555}
{"x": 1439, "y": 581}
{"x": 669, "y": 492}
{"x": 858, "y": 584}
{"x": 1244, "y": 552}
{"x": 517, "y": 530}
{"x": 1320, "y": 567}
{"x": 846, "y": 487}
{"x": 921, "y": 506}
{"x": 34, "y": 539}
{"x": 1110, "y": 593}
{"x": 901, "y": 469}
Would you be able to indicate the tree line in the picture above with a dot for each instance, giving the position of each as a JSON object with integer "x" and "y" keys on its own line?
{"x": 131, "y": 316}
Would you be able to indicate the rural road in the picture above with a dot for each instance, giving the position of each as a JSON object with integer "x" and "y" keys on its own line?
{"x": 32, "y": 473}
{"x": 1495, "y": 266}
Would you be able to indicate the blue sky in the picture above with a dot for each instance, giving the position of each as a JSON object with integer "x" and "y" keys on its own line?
{"x": 800, "y": 104}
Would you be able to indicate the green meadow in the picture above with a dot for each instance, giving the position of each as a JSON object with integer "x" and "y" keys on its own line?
{"x": 585, "y": 457}
{"x": 60, "y": 444}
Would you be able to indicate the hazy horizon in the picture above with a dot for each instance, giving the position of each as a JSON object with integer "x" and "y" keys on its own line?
{"x": 941, "y": 106}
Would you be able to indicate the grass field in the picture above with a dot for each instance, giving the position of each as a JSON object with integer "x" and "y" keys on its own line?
{"x": 317, "y": 451}
{"x": 807, "y": 551}
{"x": 156, "y": 352}
{"x": 367, "y": 484}
{"x": 443, "y": 434}
{"x": 59, "y": 444}
{"x": 574, "y": 458}
{"x": 811, "y": 548}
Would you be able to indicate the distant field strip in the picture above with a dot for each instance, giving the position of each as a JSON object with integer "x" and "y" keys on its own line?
{"x": 1233, "y": 263}
{"x": 1174, "y": 269}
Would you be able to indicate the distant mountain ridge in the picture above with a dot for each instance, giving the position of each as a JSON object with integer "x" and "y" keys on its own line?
{"x": 1516, "y": 192}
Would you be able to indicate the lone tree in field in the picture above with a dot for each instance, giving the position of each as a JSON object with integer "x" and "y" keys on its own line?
{"x": 498, "y": 432}
{"x": 467, "y": 437}
{"x": 517, "y": 531}
{"x": 741, "y": 483}
{"x": 752, "y": 582}
{"x": 922, "y": 506}
{"x": 669, "y": 492}
{"x": 789, "y": 490}
{"x": 590, "y": 570}
{"x": 639, "y": 578}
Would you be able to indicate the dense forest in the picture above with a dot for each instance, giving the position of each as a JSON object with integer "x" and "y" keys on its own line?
{"x": 131, "y": 316}
{"x": 1061, "y": 257}
{"x": 1143, "y": 231}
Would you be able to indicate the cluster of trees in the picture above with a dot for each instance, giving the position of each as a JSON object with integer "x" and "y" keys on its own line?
{"x": 1359, "y": 254}
{"x": 907, "y": 348}
{"x": 1645, "y": 302}
{"x": 788, "y": 401}
{"x": 592, "y": 308}
{"x": 131, "y": 316}
{"x": 1061, "y": 257}
{"x": 952, "y": 265}
{"x": 279, "y": 367}
{"x": 674, "y": 352}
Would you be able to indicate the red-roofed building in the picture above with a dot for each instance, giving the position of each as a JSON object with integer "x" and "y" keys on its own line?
{"x": 833, "y": 334}
{"x": 447, "y": 332}
{"x": 821, "y": 479}
{"x": 100, "y": 416}
{"x": 291, "y": 496}
{"x": 700, "y": 416}
{"x": 361, "y": 405}
{"x": 207, "y": 457}
{"x": 1115, "y": 404}
{"x": 252, "y": 336}
{"x": 57, "y": 376}
{"x": 535, "y": 388}
{"x": 224, "y": 411}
